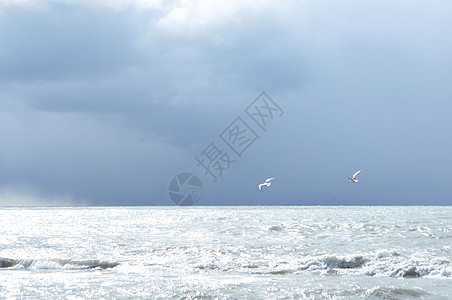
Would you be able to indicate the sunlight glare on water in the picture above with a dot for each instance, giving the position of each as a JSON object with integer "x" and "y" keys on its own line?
{"x": 226, "y": 252}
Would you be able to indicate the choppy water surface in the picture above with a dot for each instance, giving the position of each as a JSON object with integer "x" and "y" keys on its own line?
{"x": 226, "y": 252}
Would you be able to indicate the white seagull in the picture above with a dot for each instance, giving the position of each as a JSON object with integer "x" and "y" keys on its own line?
{"x": 353, "y": 179}
{"x": 266, "y": 183}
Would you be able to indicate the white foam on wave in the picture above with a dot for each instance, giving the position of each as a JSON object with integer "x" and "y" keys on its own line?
{"x": 394, "y": 292}
{"x": 386, "y": 263}
{"x": 383, "y": 263}
{"x": 55, "y": 264}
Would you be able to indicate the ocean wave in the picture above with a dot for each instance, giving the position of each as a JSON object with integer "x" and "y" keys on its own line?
{"x": 389, "y": 263}
{"x": 380, "y": 264}
{"x": 276, "y": 228}
{"x": 334, "y": 262}
{"x": 55, "y": 264}
{"x": 394, "y": 292}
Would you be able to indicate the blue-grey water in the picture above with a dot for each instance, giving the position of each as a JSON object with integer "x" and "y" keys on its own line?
{"x": 226, "y": 253}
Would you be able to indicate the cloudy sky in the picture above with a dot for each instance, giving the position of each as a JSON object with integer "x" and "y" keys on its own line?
{"x": 103, "y": 102}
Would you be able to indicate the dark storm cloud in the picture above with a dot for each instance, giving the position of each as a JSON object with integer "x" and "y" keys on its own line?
{"x": 63, "y": 41}
{"x": 68, "y": 58}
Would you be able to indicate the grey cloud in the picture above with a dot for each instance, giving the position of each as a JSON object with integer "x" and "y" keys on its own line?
{"x": 61, "y": 42}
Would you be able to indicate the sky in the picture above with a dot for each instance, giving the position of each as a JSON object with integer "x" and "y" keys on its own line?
{"x": 105, "y": 102}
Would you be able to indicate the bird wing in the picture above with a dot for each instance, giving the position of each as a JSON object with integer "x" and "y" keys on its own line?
{"x": 356, "y": 174}
{"x": 269, "y": 179}
{"x": 260, "y": 186}
{"x": 351, "y": 179}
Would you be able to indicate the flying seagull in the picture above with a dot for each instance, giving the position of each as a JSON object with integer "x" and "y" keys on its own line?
{"x": 266, "y": 183}
{"x": 353, "y": 179}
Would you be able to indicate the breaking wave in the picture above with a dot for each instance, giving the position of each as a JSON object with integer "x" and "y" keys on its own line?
{"x": 334, "y": 262}
{"x": 390, "y": 264}
{"x": 55, "y": 264}
{"x": 393, "y": 292}
{"x": 383, "y": 264}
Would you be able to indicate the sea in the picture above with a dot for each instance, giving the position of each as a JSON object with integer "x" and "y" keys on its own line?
{"x": 259, "y": 252}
